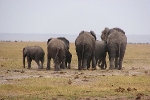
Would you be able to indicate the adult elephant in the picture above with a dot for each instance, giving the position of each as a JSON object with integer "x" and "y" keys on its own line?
{"x": 85, "y": 49}
{"x": 33, "y": 53}
{"x": 56, "y": 49}
{"x": 100, "y": 54}
{"x": 116, "y": 43}
{"x": 68, "y": 53}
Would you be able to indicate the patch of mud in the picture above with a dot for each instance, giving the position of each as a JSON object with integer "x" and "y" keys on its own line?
{"x": 73, "y": 74}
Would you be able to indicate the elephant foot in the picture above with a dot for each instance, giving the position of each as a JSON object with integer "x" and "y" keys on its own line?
{"x": 68, "y": 67}
{"x": 29, "y": 68}
{"x": 120, "y": 68}
{"x": 79, "y": 68}
{"x": 47, "y": 68}
{"x": 40, "y": 67}
{"x": 103, "y": 68}
{"x": 84, "y": 68}
{"x": 57, "y": 69}
{"x": 111, "y": 68}
{"x": 94, "y": 68}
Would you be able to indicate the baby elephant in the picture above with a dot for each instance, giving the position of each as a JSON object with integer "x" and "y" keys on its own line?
{"x": 100, "y": 54}
{"x": 35, "y": 53}
{"x": 68, "y": 60}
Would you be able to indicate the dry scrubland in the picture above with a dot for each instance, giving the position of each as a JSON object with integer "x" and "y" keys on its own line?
{"x": 17, "y": 83}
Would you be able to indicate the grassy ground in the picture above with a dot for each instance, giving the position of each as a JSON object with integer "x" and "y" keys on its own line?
{"x": 24, "y": 84}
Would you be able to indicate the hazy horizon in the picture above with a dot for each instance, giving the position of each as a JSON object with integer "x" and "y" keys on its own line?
{"x": 71, "y": 37}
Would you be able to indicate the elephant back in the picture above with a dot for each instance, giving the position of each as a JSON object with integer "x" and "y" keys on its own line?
{"x": 65, "y": 41}
{"x": 85, "y": 38}
{"x": 116, "y": 37}
{"x": 56, "y": 43}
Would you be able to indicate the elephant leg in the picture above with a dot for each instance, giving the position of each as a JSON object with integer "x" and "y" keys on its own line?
{"x": 93, "y": 63}
{"x": 84, "y": 64}
{"x": 48, "y": 62}
{"x": 103, "y": 63}
{"x": 37, "y": 61}
{"x": 79, "y": 63}
{"x": 99, "y": 62}
{"x": 121, "y": 59}
{"x": 111, "y": 60}
{"x": 88, "y": 63}
{"x": 42, "y": 61}
{"x": 57, "y": 66}
{"x": 29, "y": 60}
{"x": 64, "y": 63}
{"x": 116, "y": 62}
{"x": 68, "y": 66}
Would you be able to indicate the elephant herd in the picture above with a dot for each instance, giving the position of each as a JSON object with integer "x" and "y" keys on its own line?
{"x": 89, "y": 51}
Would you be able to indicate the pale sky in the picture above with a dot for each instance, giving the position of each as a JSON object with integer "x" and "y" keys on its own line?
{"x": 73, "y": 16}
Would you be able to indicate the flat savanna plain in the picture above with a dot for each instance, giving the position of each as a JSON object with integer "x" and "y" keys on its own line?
{"x": 18, "y": 83}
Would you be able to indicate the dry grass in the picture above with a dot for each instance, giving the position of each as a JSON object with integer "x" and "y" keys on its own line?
{"x": 83, "y": 84}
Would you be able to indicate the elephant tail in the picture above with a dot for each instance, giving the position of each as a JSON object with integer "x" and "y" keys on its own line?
{"x": 82, "y": 51}
{"x": 23, "y": 58}
{"x": 56, "y": 56}
{"x": 119, "y": 50}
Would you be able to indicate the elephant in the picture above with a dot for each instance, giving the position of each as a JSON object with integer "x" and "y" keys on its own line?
{"x": 100, "y": 54}
{"x": 57, "y": 49}
{"x": 68, "y": 60}
{"x": 35, "y": 53}
{"x": 116, "y": 44}
{"x": 85, "y": 49}
{"x": 68, "y": 54}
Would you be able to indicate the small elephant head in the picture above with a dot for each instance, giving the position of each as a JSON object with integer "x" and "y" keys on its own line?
{"x": 105, "y": 34}
{"x": 65, "y": 41}
{"x": 24, "y": 51}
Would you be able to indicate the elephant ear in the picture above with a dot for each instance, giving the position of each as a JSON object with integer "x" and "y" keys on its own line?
{"x": 105, "y": 33}
{"x": 119, "y": 30}
{"x": 48, "y": 40}
{"x": 93, "y": 34}
{"x": 64, "y": 40}
{"x": 24, "y": 51}
{"x": 81, "y": 32}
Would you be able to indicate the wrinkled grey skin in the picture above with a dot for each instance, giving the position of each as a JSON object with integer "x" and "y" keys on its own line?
{"x": 116, "y": 44}
{"x": 56, "y": 49}
{"x": 100, "y": 54}
{"x": 85, "y": 49}
{"x": 68, "y": 60}
{"x": 68, "y": 54}
{"x": 35, "y": 53}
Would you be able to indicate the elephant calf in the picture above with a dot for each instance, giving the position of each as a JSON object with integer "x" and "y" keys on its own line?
{"x": 68, "y": 60}
{"x": 100, "y": 54}
{"x": 33, "y": 53}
